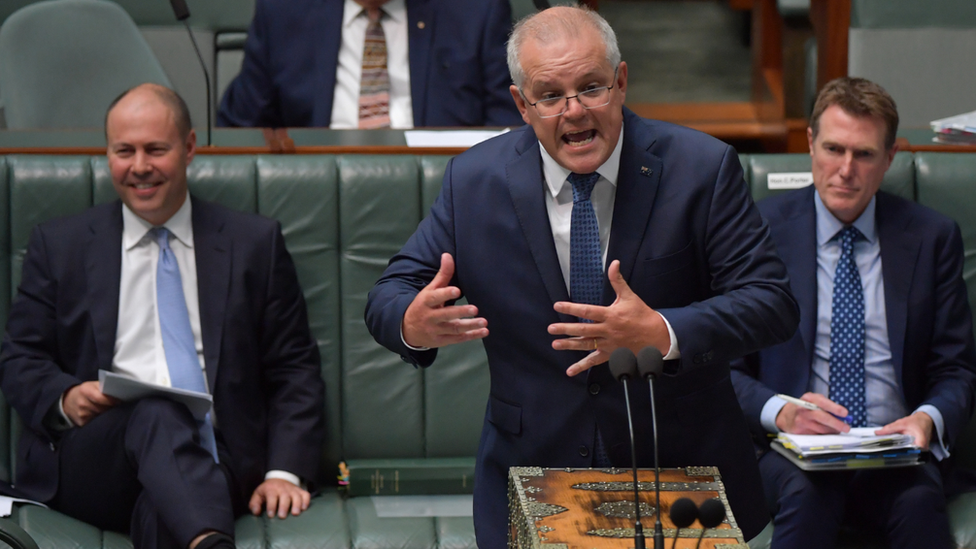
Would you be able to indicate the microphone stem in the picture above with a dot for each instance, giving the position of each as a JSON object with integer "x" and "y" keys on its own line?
{"x": 638, "y": 527}
{"x": 658, "y": 531}
{"x": 206, "y": 79}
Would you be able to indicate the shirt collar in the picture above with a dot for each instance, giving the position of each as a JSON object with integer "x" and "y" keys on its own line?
{"x": 828, "y": 226}
{"x": 396, "y": 10}
{"x": 556, "y": 175}
{"x": 135, "y": 228}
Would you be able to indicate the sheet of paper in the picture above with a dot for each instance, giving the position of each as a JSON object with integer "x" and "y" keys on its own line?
{"x": 423, "y": 506}
{"x": 862, "y": 440}
{"x": 449, "y": 138}
{"x": 7, "y": 504}
{"x": 127, "y": 389}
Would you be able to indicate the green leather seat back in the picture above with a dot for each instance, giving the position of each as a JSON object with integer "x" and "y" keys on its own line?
{"x": 899, "y": 180}
{"x": 945, "y": 183}
{"x": 302, "y": 192}
{"x": 62, "y": 62}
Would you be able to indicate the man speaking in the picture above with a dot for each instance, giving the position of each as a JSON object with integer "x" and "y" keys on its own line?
{"x": 523, "y": 228}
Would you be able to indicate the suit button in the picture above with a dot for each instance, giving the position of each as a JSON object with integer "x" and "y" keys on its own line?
{"x": 584, "y": 451}
{"x": 52, "y": 446}
{"x": 594, "y": 388}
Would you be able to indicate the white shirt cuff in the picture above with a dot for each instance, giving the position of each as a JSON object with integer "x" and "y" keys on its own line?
{"x": 64, "y": 416}
{"x": 285, "y": 475}
{"x": 767, "y": 417}
{"x": 673, "y": 351}
{"x": 937, "y": 447}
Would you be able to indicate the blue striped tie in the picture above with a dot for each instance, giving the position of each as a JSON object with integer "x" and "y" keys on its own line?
{"x": 174, "y": 324}
{"x": 847, "y": 333}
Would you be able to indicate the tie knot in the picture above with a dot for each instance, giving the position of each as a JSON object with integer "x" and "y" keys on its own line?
{"x": 161, "y": 234}
{"x": 582, "y": 185}
{"x": 848, "y": 236}
{"x": 374, "y": 14}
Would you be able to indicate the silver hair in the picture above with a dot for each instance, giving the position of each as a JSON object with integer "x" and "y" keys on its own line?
{"x": 549, "y": 25}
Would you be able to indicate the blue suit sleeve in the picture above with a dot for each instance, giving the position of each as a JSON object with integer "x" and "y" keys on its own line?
{"x": 500, "y": 108}
{"x": 251, "y": 100}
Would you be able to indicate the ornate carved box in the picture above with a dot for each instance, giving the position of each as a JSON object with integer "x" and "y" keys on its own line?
{"x": 594, "y": 508}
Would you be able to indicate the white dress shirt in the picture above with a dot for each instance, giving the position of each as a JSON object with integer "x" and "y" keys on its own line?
{"x": 345, "y": 100}
{"x": 559, "y": 205}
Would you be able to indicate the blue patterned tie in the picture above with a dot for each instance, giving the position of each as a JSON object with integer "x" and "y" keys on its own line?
{"x": 847, "y": 333}
{"x": 585, "y": 258}
{"x": 586, "y": 267}
{"x": 174, "y": 324}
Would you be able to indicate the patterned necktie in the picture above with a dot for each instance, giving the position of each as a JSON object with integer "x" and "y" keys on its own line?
{"x": 374, "y": 84}
{"x": 585, "y": 258}
{"x": 174, "y": 325}
{"x": 847, "y": 333}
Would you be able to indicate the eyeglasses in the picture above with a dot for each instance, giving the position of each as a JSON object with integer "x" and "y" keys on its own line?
{"x": 592, "y": 98}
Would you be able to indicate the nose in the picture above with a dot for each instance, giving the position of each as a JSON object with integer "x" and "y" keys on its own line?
{"x": 140, "y": 163}
{"x": 847, "y": 166}
{"x": 574, "y": 108}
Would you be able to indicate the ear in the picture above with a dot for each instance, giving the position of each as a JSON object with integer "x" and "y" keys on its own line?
{"x": 520, "y": 103}
{"x": 622, "y": 77}
{"x": 891, "y": 155}
{"x": 810, "y": 140}
{"x": 191, "y": 145}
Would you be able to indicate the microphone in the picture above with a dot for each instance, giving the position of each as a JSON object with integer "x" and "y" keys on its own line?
{"x": 650, "y": 364}
{"x": 623, "y": 366}
{"x": 182, "y": 13}
{"x": 710, "y": 514}
{"x": 683, "y": 513}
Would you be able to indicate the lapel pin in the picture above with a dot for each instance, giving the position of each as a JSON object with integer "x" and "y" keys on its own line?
{"x": 645, "y": 171}
{"x": 421, "y": 24}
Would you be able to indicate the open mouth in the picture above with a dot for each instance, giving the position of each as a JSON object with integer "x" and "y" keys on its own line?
{"x": 578, "y": 139}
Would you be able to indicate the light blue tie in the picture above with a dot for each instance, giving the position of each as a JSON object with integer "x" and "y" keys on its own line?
{"x": 847, "y": 333}
{"x": 585, "y": 258}
{"x": 174, "y": 323}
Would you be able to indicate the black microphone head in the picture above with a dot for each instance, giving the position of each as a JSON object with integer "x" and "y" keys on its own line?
{"x": 711, "y": 513}
{"x": 623, "y": 363}
{"x": 683, "y": 512}
{"x": 650, "y": 362}
{"x": 179, "y": 9}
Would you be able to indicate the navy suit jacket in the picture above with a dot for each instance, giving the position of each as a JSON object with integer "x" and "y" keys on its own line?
{"x": 458, "y": 73}
{"x": 262, "y": 364}
{"x": 691, "y": 244}
{"x": 930, "y": 328}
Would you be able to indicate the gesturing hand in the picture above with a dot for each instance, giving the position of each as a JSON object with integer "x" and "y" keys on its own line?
{"x": 85, "y": 401}
{"x": 628, "y": 322}
{"x": 429, "y": 322}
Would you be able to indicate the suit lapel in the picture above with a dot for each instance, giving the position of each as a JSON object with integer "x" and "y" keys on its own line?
{"x": 420, "y": 30}
{"x": 899, "y": 252}
{"x": 637, "y": 183}
{"x": 330, "y": 38}
{"x": 213, "y": 254}
{"x": 103, "y": 268}
{"x": 798, "y": 249}
{"x": 526, "y": 183}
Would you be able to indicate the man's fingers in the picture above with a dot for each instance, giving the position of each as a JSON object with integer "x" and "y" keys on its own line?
{"x": 437, "y": 297}
{"x": 825, "y": 404}
{"x": 595, "y": 313}
{"x": 284, "y": 504}
{"x": 591, "y": 360}
{"x": 617, "y": 281}
{"x": 271, "y": 504}
{"x": 256, "y": 502}
{"x": 445, "y": 273}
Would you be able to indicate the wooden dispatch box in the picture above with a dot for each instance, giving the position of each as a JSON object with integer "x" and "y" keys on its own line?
{"x": 594, "y": 508}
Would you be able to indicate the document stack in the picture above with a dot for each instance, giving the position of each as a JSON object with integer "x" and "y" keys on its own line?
{"x": 858, "y": 449}
{"x": 955, "y": 130}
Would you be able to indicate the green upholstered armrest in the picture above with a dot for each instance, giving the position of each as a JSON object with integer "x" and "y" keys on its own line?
{"x": 15, "y": 536}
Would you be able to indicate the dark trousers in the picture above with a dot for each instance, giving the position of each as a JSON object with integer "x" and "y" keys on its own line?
{"x": 906, "y": 504}
{"x": 139, "y": 468}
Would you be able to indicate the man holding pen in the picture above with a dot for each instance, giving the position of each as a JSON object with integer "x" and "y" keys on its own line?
{"x": 885, "y": 336}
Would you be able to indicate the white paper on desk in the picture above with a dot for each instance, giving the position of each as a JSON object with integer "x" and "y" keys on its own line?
{"x": 449, "y": 138}
{"x": 423, "y": 506}
{"x": 962, "y": 122}
{"x": 126, "y": 389}
{"x": 7, "y": 504}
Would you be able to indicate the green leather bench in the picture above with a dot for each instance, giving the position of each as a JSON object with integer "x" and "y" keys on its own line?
{"x": 343, "y": 217}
